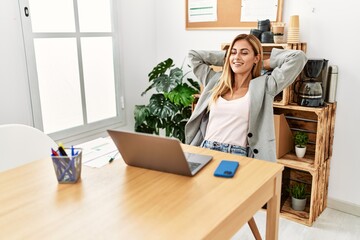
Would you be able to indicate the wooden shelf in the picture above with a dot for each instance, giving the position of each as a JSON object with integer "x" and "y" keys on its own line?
{"x": 302, "y": 217}
{"x": 314, "y": 168}
{"x": 294, "y": 106}
{"x": 272, "y": 45}
{"x": 318, "y": 123}
{"x": 292, "y": 161}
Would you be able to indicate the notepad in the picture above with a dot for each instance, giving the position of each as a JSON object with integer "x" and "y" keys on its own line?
{"x": 98, "y": 152}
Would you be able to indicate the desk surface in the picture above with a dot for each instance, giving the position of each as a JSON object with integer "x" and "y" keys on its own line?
{"x": 122, "y": 202}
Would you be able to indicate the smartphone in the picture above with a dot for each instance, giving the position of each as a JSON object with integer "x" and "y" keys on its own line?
{"x": 226, "y": 169}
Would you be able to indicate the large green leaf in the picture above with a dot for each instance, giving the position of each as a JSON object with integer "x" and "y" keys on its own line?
{"x": 195, "y": 84}
{"x": 141, "y": 112}
{"x": 182, "y": 115}
{"x": 182, "y": 95}
{"x": 144, "y": 128}
{"x": 178, "y": 131}
{"x": 176, "y": 75}
{"x": 148, "y": 88}
{"x": 144, "y": 121}
{"x": 165, "y": 84}
{"x": 161, "y": 107}
{"x": 153, "y": 122}
{"x": 160, "y": 69}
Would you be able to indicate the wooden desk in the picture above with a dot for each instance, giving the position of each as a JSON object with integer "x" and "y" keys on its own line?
{"x": 122, "y": 202}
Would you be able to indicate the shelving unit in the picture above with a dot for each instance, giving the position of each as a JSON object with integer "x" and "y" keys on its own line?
{"x": 313, "y": 169}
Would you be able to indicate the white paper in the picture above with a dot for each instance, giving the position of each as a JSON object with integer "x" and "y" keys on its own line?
{"x": 255, "y": 10}
{"x": 98, "y": 152}
{"x": 202, "y": 10}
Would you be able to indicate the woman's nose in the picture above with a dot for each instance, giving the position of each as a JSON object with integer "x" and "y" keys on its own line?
{"x": 238, "y": 56}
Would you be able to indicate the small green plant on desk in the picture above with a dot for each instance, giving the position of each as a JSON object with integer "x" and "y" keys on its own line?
{"x": 301, "y": 139}
{"x": 170, "y": 107}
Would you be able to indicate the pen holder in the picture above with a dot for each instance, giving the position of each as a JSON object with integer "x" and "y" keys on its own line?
{"x": 68, "y": 168}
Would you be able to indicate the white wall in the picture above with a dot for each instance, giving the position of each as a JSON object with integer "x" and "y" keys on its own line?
{"x": 138, "y": 40}
{"x": 323, "y": 25}
{"x": 153, "y": 30}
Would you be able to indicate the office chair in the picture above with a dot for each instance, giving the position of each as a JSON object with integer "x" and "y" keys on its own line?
{"x": 20, "y": 144}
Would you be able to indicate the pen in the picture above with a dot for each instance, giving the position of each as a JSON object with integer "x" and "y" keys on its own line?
{"x": 62, "y": 151}
{"x": 54, "y": 153}
{"x": 59, "y": 164}
{"x": 73, "y": 161}
{"x": 113, "y": 158}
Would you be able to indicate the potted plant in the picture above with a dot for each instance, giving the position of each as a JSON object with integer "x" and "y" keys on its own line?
{"x": 300, "y": 140}
{"x": 169, "y": 108}
{"x": 298, "y": 195}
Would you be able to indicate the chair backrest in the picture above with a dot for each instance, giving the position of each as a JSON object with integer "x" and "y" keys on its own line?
{"x": 20, "y": 144}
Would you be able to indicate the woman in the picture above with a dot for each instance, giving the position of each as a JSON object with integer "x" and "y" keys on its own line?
{"x": 235, "y": 110}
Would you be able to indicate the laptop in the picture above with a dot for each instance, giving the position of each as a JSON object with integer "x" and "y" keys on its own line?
{"x": 157, "y": 153}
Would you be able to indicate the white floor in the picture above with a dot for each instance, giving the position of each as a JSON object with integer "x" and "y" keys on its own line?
{"x": 330, "y": 225}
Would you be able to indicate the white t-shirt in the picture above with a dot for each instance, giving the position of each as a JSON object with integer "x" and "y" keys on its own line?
{"x": 229, "y": 121}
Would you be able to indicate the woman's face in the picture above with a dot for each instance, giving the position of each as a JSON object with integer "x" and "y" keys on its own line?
{"x": 242, "y": 57}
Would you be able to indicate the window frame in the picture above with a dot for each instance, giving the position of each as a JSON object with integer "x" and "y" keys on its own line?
{"x": 87, "y": 129}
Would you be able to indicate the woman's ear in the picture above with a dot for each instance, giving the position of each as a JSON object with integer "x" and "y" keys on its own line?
{"x": 257, "y": 59}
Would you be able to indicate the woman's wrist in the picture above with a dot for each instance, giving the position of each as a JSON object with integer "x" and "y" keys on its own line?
{"x": 266, "y": 64}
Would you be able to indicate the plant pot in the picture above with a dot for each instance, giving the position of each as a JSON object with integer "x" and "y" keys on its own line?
{"x": 298, "y": 204}
{"x": 300, "y": 151}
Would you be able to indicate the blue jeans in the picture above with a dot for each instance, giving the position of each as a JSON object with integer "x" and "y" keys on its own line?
{"x": 224, "y": 147}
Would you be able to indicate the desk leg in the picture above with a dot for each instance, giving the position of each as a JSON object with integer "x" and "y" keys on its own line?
{"x": 273, "y": 211}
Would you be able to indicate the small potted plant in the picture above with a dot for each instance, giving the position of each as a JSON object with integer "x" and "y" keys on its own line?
{"x": 298, "y": 195}
{"x": 300, "y": 140}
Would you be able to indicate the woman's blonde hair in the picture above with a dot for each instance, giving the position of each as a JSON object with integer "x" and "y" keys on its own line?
{"x": 226, "y": 80}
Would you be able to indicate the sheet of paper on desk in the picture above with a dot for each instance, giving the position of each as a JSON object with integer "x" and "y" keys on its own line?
{"x": 97, "y": 153}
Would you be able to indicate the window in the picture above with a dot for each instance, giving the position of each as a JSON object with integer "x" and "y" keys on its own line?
{"x": 73, "y": 65}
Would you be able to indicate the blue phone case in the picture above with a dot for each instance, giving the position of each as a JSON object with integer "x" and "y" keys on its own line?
{"x": 226, "y": 169}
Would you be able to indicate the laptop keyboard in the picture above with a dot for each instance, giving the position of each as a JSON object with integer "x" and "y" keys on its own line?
{"x": 193, "y": 165}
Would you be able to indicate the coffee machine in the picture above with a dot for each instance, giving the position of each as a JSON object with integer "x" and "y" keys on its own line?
{"x": 312, "y": 86}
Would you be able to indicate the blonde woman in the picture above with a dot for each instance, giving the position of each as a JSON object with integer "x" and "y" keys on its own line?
{"x": 235, "y": 110}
